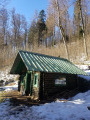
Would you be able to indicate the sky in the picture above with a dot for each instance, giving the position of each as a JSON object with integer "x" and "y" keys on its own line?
{"x": 28, "y": 7}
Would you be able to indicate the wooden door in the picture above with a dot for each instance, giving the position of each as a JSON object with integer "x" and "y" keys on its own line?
{"x": 28, "y": 84}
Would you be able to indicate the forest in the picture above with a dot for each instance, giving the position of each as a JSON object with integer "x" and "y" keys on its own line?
{"x": 62, "y": 31}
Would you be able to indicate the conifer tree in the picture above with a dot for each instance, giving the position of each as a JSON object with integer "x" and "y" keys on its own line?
{"x": 41, "y": 26}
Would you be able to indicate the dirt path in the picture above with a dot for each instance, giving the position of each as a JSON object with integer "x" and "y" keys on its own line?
{"x": 17, "y": 99}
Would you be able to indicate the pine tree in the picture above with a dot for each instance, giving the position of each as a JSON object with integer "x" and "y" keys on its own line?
{"x": 41, "y": 26}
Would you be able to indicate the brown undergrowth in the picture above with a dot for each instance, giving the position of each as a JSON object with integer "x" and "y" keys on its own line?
{"x": 75, "y": 51}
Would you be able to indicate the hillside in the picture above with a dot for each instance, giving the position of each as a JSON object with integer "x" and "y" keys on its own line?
{"x": 75, "y": 51}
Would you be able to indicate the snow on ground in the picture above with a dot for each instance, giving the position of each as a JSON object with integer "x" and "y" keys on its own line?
{"x": 85, "y": 77}
{"x": 87, "y": 71}
{"x": 6, "y": 77}
{"x": 83, "y": 67}
{"x": 10, "y": 88}
{"x": 73, "y": 109}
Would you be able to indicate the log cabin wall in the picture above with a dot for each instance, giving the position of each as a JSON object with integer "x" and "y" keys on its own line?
{"x": 72, "y": 81}
{"x": 48, "y": 87}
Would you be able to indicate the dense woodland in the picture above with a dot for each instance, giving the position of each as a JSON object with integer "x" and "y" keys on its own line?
{"x": 54, "y": 32}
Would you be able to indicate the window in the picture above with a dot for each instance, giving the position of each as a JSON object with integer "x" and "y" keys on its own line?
{"x": 60, "y": 81}
{"x": 35, "y": 80}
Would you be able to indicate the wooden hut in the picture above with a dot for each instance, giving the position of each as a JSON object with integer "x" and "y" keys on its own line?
{"x": 42, "y": 76}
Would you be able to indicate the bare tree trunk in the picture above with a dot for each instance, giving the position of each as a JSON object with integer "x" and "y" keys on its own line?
{"x": 85, "y": 46}
{"x": 84, "y": 40}
{"x": 25, "y": 37}
{"x": 46, "y": 42}
{"x": 61, "y": 29}
{"x": 53, "y": 40}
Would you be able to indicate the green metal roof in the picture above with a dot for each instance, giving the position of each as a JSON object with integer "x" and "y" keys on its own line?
{"x": 45, "y": 63}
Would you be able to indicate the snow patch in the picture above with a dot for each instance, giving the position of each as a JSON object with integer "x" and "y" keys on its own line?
{"x": 10, "y": 88}
{"x": 6, "y": 78}
{"x": 85, "y": 77}
{"x": 74, "y": 109}
{"x": 87, "y": 71}
{"x": 83, "y": 67}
